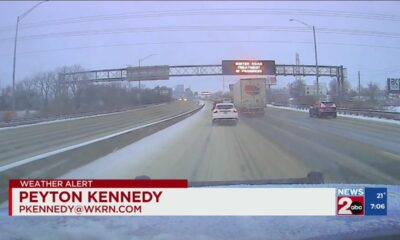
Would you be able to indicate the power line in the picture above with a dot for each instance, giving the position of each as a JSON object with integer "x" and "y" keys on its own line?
{"x": 204, "y": 42}
{"x": 210, "y": 12}
{"x": 160, "y": 29}
{"x": 352, "y": 32}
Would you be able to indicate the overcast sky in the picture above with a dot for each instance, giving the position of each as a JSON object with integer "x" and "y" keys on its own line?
{"x": 375, "y": 55}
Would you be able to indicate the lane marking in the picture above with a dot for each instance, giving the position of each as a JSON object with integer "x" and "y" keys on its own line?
{"x": 391, "y": 155}
{"x": 341, "y": 158}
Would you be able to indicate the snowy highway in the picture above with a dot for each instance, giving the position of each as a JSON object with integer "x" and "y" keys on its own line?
{"x": 282, "y": 144}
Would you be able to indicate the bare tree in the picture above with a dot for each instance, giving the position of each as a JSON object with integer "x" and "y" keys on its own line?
{"x": 50, "y": 93}
{"x": 29, "y": 94}
{"x": 297, "y": 89}
{"x": 371, "y": 92}
{"x": 43, "y": 82}
{"x": 333, "y": 89}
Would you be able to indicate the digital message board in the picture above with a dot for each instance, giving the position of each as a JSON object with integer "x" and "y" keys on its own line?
{"x": 248, "y": 67}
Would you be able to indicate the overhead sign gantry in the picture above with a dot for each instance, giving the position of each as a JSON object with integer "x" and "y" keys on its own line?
{"x": 228, "y": 67}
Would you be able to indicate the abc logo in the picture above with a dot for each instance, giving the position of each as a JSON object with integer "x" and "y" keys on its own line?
{"x": 350, "y": 205}
{"x": 356, "y": 208}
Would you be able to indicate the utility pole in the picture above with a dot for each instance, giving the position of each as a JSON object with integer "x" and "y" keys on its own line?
{"x": 19, "y": 18}
{"x": 342, "y": 83}
{"x": 269, "y": 94}
{"x": 140, "y": 92}
{"x": 316, "y": 63}
{"x": 223, "y": 83}
{"x": 315, "y": 52}
{"x": 14, "y": 66}
{"x": 359, "y": 85}
{"x": 297, "y": 77}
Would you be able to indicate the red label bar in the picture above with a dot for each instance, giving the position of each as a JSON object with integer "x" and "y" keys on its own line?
{"x": 97, "y": 183}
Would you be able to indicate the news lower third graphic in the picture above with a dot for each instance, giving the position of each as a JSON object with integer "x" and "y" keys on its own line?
{"x": 361, "y": 201}
{"x": 63, "y": 197}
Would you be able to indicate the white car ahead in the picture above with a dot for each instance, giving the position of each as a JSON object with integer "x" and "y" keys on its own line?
{"x": 225, "y": 112}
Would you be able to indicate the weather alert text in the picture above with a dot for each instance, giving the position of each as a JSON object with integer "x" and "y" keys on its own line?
{"x": 86, "y": 197}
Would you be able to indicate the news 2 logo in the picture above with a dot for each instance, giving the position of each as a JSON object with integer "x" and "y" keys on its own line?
{"x": 350, "y": 201}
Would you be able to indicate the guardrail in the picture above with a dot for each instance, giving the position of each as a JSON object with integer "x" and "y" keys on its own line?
{"x": 311, "y": 178}
{"x": 370, "y": 113}
{"x": 360, "y": 112}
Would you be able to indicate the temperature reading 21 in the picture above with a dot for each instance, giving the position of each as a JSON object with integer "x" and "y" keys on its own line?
{"x": 380, "y": 195}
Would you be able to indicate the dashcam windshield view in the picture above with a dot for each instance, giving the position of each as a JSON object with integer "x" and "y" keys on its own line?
{"x": 199, "y": 120}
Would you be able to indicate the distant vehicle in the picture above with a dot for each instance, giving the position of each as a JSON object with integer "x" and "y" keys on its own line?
{"x": 279, "y": 104}
{"x": 227, "y": 100}
{"x": 249, "y": 96}
{"x": 323, "y": 109}
{"x": 225, "y": 112}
